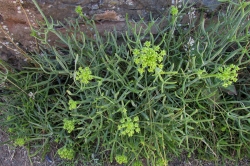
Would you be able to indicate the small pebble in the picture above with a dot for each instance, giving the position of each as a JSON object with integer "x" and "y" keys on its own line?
{"x": 48, "y": 159}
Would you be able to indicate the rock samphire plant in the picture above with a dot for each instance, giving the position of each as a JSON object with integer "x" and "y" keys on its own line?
{"x": 127, "y": 97}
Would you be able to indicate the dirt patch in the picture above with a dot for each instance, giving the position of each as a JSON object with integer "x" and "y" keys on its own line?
{"x": 17, "y": 156}
{"x": 11, "y": 156}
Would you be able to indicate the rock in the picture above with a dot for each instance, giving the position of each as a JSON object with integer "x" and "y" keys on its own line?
{"x": 18, "y": 16}
{"x": 209, "y": 4}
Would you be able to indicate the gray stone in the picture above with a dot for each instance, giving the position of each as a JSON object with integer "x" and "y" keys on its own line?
{"x": 210, "y": 4}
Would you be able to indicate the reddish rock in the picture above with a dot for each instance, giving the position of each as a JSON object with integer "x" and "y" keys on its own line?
{"x": 18, "y": 16}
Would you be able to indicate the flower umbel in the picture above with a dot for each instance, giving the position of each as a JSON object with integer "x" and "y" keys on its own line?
{"x": 137, "y": 163}
{"x": 84, "y": 75}
{"x": 78, "y": 10}
{"x": 11, "y": 130}
{"x": 121, "y": 159}
{"x": 174, "y": 10}
{"x": 9, "y": 118}
{"x": 72, "y": 104}
{"x": 201, "y": 72}
{"x": 68, "y": 125}
{"x": 19, "y": 142}
{"x": 149, "y": 57}
{"x": 161, "y": 162}
{"x": 228, "y": 74}
{"x": 129, "y": 126}
{"x": 66, "y": 153}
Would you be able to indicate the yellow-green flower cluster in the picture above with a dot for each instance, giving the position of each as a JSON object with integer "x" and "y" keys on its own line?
{"x": 9, "y": 118}
{"x": 161, "y": 162}
{"x": 129, "y": 126}
{"x": 78, "y": 10}
{"x": 84, "y": 75}
{"x": 66, "y": 153}
{"x": 11, "y": 130}
{"x": 19, "y": 142}
{"x": 148, "y": 57}
{"x": 228, "y": 74}
{"x": 68, "y": 125}
{"x": 174, "y": 10}
{"x": 137, "y": 163}
{"x": 200, "y": 73}
{"x": 72, "y": 104}
{"x": 121, "y": 159}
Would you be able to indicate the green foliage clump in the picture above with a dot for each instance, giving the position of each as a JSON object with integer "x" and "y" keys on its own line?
{"x": 121, "y": 159}
{"x": 66, "y": 153}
